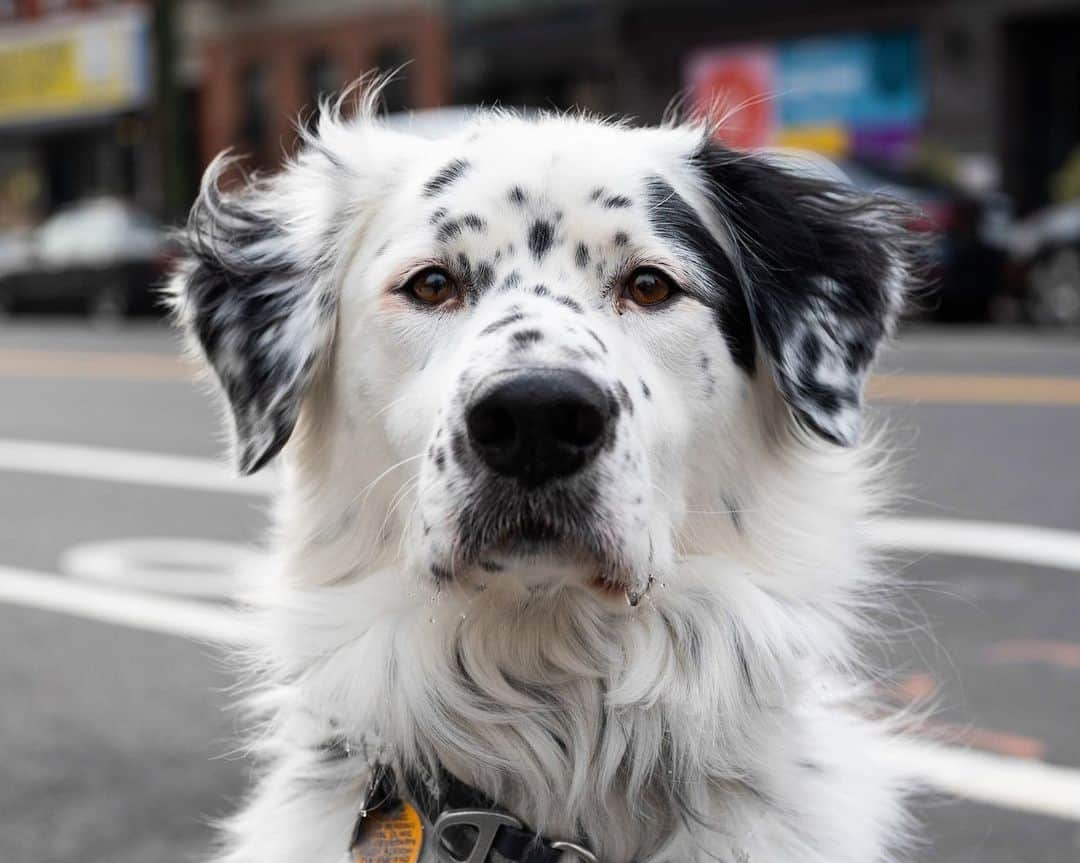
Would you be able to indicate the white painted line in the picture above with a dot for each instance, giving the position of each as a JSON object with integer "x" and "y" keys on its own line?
{"x": 128, "y": 466}
{"x": 193, "y": 568}
{"x": 185, "y": 618}
{"x": 1017, "y": 543}
{"x": 1009, "y": 783}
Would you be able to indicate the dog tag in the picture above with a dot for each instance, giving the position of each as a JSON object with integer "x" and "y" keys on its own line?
{"x": 391, "y": 835}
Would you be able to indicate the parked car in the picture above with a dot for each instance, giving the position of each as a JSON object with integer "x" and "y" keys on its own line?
{"x": 101, "y": 254}
{"x": 16, "y": 259}
{"x": 966, "y": 240}
{"x": 1045, "y": 255}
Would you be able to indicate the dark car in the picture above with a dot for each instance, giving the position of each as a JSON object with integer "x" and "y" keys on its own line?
{"x": 1045, "y": 253}
{"x": 101, "y": 255}
{"x": 966, "y": 236}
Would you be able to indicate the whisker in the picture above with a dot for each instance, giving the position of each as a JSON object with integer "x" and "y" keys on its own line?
{"x": 366, "y": 491}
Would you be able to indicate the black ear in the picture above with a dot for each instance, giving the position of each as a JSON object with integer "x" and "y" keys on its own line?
{"x": 823, "y": 269}
{"x": 254, "y": 294}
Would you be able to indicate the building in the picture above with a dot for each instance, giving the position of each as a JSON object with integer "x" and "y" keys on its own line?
{"x": 261, "y": 64}
{"x": 132, "y": 99}
{"x": 992, "y": 87}
{"x": 988, "y": 90}
{"x": 537, "y": 53}
{"x": 75, "y": 106}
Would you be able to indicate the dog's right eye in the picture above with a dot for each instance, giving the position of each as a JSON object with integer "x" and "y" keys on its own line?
{"x": 432, "y": 287}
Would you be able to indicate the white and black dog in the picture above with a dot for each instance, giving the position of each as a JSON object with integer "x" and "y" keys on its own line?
{"x": 573, "y": 521}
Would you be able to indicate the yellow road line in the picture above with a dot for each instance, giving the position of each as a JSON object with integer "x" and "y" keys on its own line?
{"x": 975, "y": 389}
{"x": 90, "y": 365}
{"x": 944, "y": 389}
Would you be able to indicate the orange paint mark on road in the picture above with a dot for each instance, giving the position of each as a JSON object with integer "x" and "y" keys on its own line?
{"x": 916, "y": 688}
{"x": 1062, "y": 654}
{"x": 990, "y": 740}
{"x": 975, "y": 389}
{"x": 90, "y": 365}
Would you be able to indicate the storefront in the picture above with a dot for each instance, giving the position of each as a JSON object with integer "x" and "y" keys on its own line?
{"x": 857, "y": 95}
{"x": 984, "y": 93}
{"x": 546, "y": 54}
{"x": 73, "y": 93}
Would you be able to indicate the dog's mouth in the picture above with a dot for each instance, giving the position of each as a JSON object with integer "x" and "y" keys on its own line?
{"x": 557, "y": 552}
{"x": 562, "y": 535}
{"x": 620, "y": 588}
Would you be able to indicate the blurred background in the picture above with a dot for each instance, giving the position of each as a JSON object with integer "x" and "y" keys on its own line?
{"x": 121, "y": 529}
{"x": 109, "y": 111}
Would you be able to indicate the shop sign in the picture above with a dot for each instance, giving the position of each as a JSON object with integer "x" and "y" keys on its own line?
{"x": 840, "y": 95}
{"x": 74, "y": 66}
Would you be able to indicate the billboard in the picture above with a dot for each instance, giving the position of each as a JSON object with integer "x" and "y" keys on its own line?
{"x": 74, "y": 66}
{"x": 858, "y": 94}
{"x": 738, "y": 84}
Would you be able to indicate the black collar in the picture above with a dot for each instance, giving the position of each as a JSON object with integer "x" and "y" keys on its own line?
{"x": 466, "y": 826}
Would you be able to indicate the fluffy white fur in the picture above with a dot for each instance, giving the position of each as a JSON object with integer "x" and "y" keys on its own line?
{"x": 721, "y": 718}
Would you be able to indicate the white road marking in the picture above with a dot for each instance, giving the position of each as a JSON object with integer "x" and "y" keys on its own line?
{"x": 197, "y": 568}
{"x": 128, "y": 466}
{"x": 44, "y": 591}
{"x": 1016, "y": 543}
{"x": 1010, "y": 783}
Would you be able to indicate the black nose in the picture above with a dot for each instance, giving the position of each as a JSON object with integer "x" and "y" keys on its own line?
{"x": 539, "y": 425}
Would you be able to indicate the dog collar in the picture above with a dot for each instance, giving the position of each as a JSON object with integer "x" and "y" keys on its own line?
{"x": 463, "y": 826}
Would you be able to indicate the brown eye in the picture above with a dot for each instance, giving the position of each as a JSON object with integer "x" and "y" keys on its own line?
{"x": 432, "y": 287}
{"x": 649, "y": 287}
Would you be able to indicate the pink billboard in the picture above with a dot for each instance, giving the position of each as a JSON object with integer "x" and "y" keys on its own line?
{"x": 738, "y": 85}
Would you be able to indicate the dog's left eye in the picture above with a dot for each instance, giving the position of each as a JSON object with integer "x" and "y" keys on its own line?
{"x": 432, "y": 287}
{"x": 648, "y": 287}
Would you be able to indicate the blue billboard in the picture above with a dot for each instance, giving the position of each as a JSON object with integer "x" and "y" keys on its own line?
{"x": 858, "y": 81}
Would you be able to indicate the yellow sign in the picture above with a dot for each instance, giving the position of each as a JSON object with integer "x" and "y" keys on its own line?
{"x": 393, "y": 835}
{"x": 831, "y": 141}
{"x": 78, "y": 65}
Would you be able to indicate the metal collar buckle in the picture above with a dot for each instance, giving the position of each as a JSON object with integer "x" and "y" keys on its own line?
{"x": 485, "y": 822}
{"x": 577, "y": 850}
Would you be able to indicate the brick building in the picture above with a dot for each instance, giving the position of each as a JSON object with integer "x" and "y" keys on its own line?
{"x": 263, "y": 63}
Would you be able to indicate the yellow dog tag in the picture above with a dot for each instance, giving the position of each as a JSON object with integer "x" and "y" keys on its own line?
{"x": 391, "y": 835}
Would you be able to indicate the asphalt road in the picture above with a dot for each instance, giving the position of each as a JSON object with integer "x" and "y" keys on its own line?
{"x": 117, "y": 745}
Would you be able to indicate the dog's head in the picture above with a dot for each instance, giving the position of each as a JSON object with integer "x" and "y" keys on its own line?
{"x": 566, "y": 336}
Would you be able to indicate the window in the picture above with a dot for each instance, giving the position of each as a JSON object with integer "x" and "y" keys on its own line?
{"x": 397, "y": 94}
{"x": 321, "y": 79}
{"x": 254, "y": 110}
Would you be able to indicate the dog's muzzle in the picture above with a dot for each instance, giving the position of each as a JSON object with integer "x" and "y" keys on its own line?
{"x": 538, "y": 425}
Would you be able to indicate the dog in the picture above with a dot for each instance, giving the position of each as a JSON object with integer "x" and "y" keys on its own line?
{"x": 574, "y": 510}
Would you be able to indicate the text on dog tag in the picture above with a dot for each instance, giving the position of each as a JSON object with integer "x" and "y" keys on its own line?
{"x": 391, "y": 835}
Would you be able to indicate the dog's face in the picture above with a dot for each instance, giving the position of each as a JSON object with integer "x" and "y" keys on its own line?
{"x": 540, "y": 336}
{"x": 563, "y": 330}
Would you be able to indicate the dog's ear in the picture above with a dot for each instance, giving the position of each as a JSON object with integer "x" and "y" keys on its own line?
{"x": 254, "y": 295}
{"x": 824, "y": 270}
{"x": 256, "y": 290}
